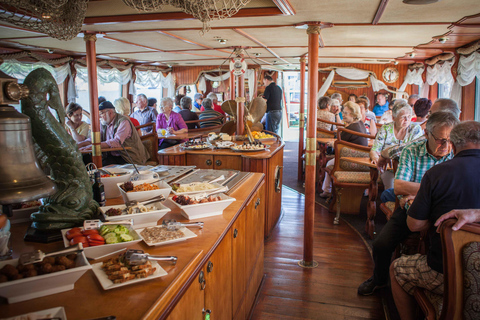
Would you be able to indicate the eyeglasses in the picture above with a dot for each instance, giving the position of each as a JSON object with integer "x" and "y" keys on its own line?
{"x": 440, "y": 141}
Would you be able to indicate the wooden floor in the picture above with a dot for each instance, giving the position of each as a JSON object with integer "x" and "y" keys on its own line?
{"x": 326, "y": 292}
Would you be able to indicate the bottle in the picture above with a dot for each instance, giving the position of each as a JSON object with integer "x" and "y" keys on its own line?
{"x": 98, "y": 190}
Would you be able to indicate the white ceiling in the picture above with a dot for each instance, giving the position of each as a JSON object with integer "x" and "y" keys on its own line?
{"x": 352, "y": 39}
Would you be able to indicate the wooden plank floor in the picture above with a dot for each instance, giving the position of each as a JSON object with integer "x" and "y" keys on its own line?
{"x": 326, "y": 292}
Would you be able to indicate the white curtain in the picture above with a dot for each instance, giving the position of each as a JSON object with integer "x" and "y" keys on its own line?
{"x": 20, "y": 70}
{"x": 440, "y": 73}
{"x": 353, "y": 74}
{"x": 326, "y": 84}
{"x": 468, "y": 68}
{"x": 106, "y": 75}
{"x": 202, "y": 85}
{"x": 153, "y": 79}
{"x": 413, "y": 77}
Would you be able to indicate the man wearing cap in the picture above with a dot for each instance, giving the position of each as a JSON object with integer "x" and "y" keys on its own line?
{"x": 145, "y": 114}
{"x": 197, "y": 104}
{"x": 117, "y": 131}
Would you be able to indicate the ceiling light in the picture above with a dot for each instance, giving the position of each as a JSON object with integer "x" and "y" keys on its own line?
{"x": 222, "y": 41}
{"x": 411, "y": 54}
{"x": 420, "y": 2}
{"x": 49, "y": 50}
{"x": 442, "y": 40}
{"x": 257, "y": 54}
{"x": 395, "y": 62}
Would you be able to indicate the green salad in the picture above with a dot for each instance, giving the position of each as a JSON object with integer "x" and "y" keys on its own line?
{"x": 115, "y": 233}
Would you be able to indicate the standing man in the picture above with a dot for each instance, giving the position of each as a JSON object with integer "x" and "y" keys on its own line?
{"x": 273, "y": 95}
{"x": 197, "y": 104}
{"x": 381, "y": 106}
{"x": 144, "y": 114}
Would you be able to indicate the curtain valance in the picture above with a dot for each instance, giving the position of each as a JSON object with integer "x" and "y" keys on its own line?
{"x": 413, "y": 77}
{"x": 202, "y": 85}
{"x": 468, "y": 68}
{"x": 155, "y": 79}
{"x": 440, "y": 73}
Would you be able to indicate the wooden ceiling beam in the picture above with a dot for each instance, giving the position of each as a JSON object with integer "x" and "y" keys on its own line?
{"x": 168, "y": 16}
{"x": 251, "y": 38}
{"x": 285, "y": 6}
{"x": 198, "y": 29}
{"x": 380, "y": 10}
{"x": 191, "y": 42}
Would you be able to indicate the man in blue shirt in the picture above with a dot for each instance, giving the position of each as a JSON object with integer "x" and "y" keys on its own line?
{"x": 144, "y": 114}
{"x": 381, "y": 106}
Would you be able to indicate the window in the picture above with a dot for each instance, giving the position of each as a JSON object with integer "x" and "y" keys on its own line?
{"x": 111, "y": 91}
{"x": 445, "y": 89}
{"x": 150, "y": 92}
{"x": 477, "y": 99}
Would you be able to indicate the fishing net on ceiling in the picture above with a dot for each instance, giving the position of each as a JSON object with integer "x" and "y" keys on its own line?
{"x": 203, "y": 10}
{"x": 59, "y": 19}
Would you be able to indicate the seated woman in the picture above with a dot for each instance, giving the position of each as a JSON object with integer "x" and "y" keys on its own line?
{"x": 171, "y": 122}
{"x": 352, "y": 118}
{"x": 324, "y": 104}
{"x": 187, "y": 114}
{"x": 401, "y": 130}
{"x": 367, "y": 119}
{"x": 123, "y": 107}
{"x": 422, "y": 108}
{"x": 352, "y": 97}
{"x": 78, "y": 129}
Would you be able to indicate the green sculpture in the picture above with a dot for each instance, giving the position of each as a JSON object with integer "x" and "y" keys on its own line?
{"x": 55, "y": 148}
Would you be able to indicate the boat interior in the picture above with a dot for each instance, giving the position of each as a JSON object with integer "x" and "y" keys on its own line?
{"x": 120, "y": 48}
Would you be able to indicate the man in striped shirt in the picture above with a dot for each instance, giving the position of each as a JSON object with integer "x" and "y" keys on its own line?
{"x": 415, "y": 160}
{"x": 208, "y": 114}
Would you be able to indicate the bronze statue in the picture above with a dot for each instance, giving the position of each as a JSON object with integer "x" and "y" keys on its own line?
{"x": 55, "y": 148}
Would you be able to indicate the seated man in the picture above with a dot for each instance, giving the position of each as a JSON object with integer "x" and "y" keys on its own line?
{"x": 215, "y": 106}
{"x": 208, "y": 114}
{"x": 450, "y": 185}
{"x": 117, "y": 131}
{"x": 187, "y": 113}
{"x": 381, "y": 106}
{"x": 415, "y": 160}
{"x": 393, "y": 153}
{"x": 144, "y": 114}
{"x": 177, "y": 108}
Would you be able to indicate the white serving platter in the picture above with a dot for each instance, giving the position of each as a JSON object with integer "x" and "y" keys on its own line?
{"x": 110, "y": 183}
{"x": 217, "y": 187}
{"x": 45, "y": 284}
{"x": 100, "y": 251}
{"x": 53, "y": 313}
{"x": 208, "y": 209}
{"x": 140, "y": 220}
{"x": 164, "y": 190}
{"x": 187, "y": 235}
{"x": 108, "y": 284}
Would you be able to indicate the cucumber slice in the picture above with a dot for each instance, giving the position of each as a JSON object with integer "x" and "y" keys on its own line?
{"x": 111, "y": 240}
{"x": 126, "y": 237}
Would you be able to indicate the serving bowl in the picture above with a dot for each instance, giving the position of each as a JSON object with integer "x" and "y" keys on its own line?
{"x": 203, "y": 210}
{"x": 110, "y": 183}
{"x": 164, "y": 190}
{"x": 140, "y": 220}
{"x": 45, "y": 284}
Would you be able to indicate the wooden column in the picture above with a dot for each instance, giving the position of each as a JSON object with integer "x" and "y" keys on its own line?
{"x": 232, "y": 86}
{"x": 313, "y": 32}
{"x": 240, "y": 104}
{"x": 90, "y": 40}
{"x": 301, "y": 114}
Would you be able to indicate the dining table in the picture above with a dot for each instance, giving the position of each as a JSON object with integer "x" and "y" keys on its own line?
{"x": 181, "y": 136}
{"x": 106, "y": 150}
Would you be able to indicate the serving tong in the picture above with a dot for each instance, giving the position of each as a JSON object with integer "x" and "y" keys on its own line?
{"x": 137, "y": 257}
{"x": 38, "y": 255}
{"x": 132, "y": 203}
{"x": 173, "y": 225}
{"x": 95, "y": 224}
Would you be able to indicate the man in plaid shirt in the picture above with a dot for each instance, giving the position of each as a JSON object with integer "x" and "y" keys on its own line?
{"x": 415, "y": 160}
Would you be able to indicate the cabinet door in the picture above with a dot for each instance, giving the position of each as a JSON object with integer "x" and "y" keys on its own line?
{"x": 227, "y": 162}
{"x": 190, "y": 306}
{"x": 202, "y": 161}
{"x": 237, "y": 233}
{"x": 254, "y": 229}
{"x": 218, "y": 277}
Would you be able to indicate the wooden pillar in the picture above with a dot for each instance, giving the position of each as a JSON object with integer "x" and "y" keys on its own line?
{"x": 313, "y": 32}
{"x": 232, "y": 86}
{"x": 240, "y": 104}
{"x": 90, "y": 39}
{"x": 301, "y": 114}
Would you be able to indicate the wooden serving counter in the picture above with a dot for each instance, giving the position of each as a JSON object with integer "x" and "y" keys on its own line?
{"x": 268, "y": 162}
{"x": 220, "y": 270}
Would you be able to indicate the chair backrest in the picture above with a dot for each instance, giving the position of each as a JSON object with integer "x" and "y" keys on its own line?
{"x": 347, "y": 149}
{"x": 322, "y": 133}
{"x": 340, "y": 130}
{"x": 150, "y": 140}
{"x": 337, "y": 124}
{"x": 461, "y": 258}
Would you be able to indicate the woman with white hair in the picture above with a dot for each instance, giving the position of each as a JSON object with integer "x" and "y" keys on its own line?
{"x": 123, "y": 107}
{"x": 401, "y": 130}
{"x": 171, "y": 122}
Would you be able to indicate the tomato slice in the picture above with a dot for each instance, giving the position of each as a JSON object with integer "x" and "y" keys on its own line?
{"x": 95, "y": 237}
{"x": 88, "y": 232}
{"x": 78, "y": 239}
{"x": 72, "y": 235}
{"x": 96, "y": 243}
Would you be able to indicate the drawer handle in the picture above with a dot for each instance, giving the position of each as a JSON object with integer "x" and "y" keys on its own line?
{"x": 208, "y": 162}
{"x": 206, "y": 313}
{"x": 210, "y": 266}
{"x": 235, "y": 233}
{"x": 201, "y": 279}
{"x": 218, "y": 163}
{"x": 257, "y": 203}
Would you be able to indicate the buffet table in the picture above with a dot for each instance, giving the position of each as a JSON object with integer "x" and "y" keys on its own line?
{"x": 268, "y": 162}
{"x": 219, "y": 270}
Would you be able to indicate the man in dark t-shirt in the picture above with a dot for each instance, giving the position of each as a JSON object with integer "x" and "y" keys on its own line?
{"x": 447, "y": 186}
{"x": 273, "y": 95}
{"x": 187, "y": 114}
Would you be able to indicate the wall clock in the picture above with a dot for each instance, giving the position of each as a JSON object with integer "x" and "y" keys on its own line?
{"x": 390, "y": 75}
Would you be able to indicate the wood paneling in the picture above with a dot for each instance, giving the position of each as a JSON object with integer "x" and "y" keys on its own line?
{"x": 376, "y": 68}
{"x": 238, "y": 234}
{"x": 433, "y": 92}
{"x": 191, "y": 304}
{"x": 468, "y": 102}
{"x": 188, "y": 75}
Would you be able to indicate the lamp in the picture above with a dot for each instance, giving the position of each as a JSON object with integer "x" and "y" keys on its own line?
{"x": 22, "y": 178}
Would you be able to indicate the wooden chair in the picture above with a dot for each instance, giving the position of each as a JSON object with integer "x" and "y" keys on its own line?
{"x": 390, "y": 206}
{"x": 321, "y": 156}
{"x": 206, "y": 130}
{"x": 347, "y": 175}
{"x": 339, "y": 136}
{"x": 336, "y": 124}
{"x": 461, "y": 257}
{"x": 150, "y": 141}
